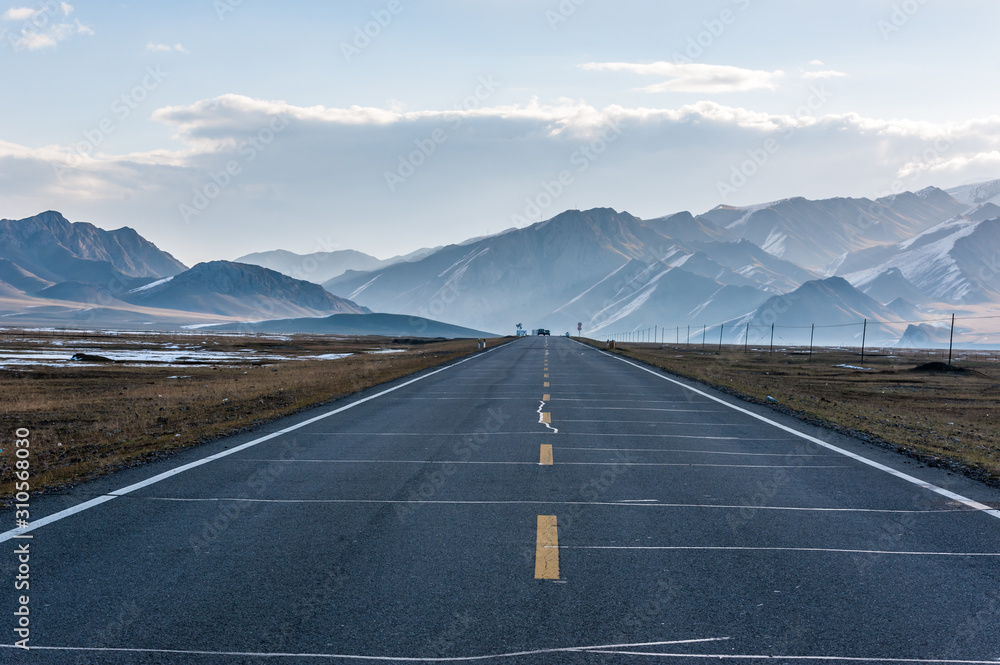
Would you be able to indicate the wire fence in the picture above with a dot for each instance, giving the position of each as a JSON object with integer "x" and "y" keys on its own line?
{"x": 947, "y": 338}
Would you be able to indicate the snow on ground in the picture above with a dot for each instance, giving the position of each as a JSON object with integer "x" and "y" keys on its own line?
{"x": 167, "y": 357}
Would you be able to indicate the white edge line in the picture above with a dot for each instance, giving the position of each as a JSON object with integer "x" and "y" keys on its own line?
{"x": 411, "y": 659}
{"x": 62, "y": 514}
{"x": 864, "y": 460}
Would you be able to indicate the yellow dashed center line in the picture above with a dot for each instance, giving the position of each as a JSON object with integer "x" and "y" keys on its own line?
{"x": 545, "y": 385}
{"x": 546, "y": 417}
{"x": 546, "y": 376}
{"x": 547, "y": 549}
{"x": 545, "y": 455}
{"x": 546, "y": 397}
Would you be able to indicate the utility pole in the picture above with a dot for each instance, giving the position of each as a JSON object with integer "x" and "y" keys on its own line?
{"x": 864, "y": 334}
{"x": 770, "y": 350}
{"x": 812, "y": 334}
{"x": 722, "y": 326}
{"x": 951, "y": 339}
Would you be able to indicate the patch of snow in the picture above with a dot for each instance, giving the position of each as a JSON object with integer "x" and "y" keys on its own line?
{"x": 609, "y": 276}
{"x": 774, "y": 244}
{"x": 361, "y": 288}
{"x": 855, "y": 367}
{"x": 152, "y": 284}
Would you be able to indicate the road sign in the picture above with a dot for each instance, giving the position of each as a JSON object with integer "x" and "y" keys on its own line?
{"x": 579, "y": 327}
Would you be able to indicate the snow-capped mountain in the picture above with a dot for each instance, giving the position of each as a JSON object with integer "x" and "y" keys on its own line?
{"x": 812, "y": 234}
{"x": 957, "y": 262}
{"x": 982, "y": 192}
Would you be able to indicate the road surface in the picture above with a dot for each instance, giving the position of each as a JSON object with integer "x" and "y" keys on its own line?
{"x": 542, "y": 502}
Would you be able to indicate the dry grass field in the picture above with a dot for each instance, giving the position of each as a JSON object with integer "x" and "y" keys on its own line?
{"x": 89, "y": 418}
{"x": 944, "y": 418}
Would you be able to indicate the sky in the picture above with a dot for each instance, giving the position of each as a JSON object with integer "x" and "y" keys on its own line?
{"x": 217, "y": 128}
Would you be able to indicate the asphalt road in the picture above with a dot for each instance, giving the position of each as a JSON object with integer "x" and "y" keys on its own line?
{"x": 542, "y": 502}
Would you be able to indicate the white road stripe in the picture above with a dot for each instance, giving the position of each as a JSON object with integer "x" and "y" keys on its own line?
{"x": 641, "y": 503}
{"x": 770, "y": 549}
{"x": 864, "y": 460}
{"x": 487, "y": 463}
{"x": 404, "y": 659}
{"x": 62, "y": 514}
{"x": 835, "y": 659}
{"x": 696, "y": 452}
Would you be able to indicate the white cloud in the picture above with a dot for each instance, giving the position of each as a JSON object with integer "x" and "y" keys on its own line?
{"x": 67, "y": 8}
{"x": 817, "y": 63}
{"x": 695, "y": 77}
{"x": 19, "y": 13}
{"x": 35, "y": 39}
{"x": 165, "y": 48}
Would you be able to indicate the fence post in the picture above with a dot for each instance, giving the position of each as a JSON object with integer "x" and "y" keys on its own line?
{"x": 864, "y": 334}
{"x": 951, "y": 338}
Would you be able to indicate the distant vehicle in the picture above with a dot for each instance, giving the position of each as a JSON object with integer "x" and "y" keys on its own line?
{"x": 543, "y": 331}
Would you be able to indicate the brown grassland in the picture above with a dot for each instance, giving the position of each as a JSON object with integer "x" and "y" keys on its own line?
{"x": 943, "y": 418}
{"x": 87, "y": 419}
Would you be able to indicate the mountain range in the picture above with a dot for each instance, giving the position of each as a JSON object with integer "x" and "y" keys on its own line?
{"x": 896, "y": 261}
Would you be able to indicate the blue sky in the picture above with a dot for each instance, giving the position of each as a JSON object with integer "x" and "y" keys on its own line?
{"x": 221, "y": 127}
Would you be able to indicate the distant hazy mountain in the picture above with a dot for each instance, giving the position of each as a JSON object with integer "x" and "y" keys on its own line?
{"x": 813, "y": 234}
{"x": 597, "y": 267}
{"x": 955, "y": 261}
{"x": 320, "y": 267}
{"x": 317, "y": 267}
{"x": 392, "y": 325}
{"x": 982, "y": 192}
{"x": 52, "y": 249}
{"x": 242, "y": 290}
{"x": 828, "y": 302}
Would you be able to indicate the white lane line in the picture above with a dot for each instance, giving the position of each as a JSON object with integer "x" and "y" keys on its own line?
{"x": 641, "y": 503}
{"x": 499, "y": 434}
{"x": 827, "y": 659}
{"x": 487, "y": 463}
{"x": 864, "y": 460}
{"x": 403, "y": 659}
{"x": 652, "y": 422}
{"x": 771, "y": 549}
{"x": 643, "y": 408}
{"x": 62, "y": 514}
{"x": 697, "y": 452}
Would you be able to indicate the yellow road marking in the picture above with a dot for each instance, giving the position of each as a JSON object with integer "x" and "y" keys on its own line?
{"x": 546, "y": 376}
{"x": 546, "y": 417}
{"x": 545, "y": 455}
{"x": 545, "y": 385}
{"x": 546, "y": 397}
{"x": 547, "y": 549}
